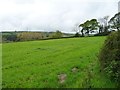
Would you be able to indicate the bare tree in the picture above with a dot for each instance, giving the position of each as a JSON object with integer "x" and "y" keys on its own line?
{"x": 103, "y": 24}
{"x": 76, "y": 28}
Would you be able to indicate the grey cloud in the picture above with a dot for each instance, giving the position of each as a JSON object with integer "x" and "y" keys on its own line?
{"x": 50, "y": 15}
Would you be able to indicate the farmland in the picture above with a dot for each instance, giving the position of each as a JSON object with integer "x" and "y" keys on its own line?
{"x": 39, "y": 64}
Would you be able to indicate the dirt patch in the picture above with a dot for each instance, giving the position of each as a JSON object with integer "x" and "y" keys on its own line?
{"x": 62, "y": 78}
{"x": 75, "y": 69}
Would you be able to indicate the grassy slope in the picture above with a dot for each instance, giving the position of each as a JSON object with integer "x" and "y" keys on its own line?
{"x": 38, "y": 63}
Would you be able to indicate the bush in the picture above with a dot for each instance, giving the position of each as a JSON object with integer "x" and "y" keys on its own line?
{"x": 103, "y": 33}
{"x": 9, "y": 38}
{"x": 57, "y": 34}
{"x": 110, "y": 56}
{"x": 77, "y": 35}
{"x": 27, "y": 36}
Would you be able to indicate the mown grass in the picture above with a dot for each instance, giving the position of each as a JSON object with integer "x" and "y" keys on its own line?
{"x": 37, "y": 64}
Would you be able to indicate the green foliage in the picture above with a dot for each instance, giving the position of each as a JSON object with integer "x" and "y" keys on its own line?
{"x": 37, "y": 64}
{"x": 9, "y": 37}
{"x": 21, "y": 36}
{"x": 57, "y": 34}
{"x": 110, "y": 56}
{"x": 26, "y": 36}
{"x": 115, "y": 21}
{"x": 77, "y": 35}
{"x": 89, "y": 26}
{"x": 103, "y": 33}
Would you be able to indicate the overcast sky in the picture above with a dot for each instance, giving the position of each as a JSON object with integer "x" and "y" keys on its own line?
{"x": 52, "y": 15}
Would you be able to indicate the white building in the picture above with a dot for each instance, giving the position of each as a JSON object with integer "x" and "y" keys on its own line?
{"x": 119, "y": 6}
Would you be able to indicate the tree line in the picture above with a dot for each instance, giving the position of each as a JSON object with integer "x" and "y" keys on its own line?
{"x": 102, "y": 25}
{"x": 28, "y": 36}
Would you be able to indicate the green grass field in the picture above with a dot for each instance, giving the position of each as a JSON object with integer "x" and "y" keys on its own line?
{"x": 37, "y": 64}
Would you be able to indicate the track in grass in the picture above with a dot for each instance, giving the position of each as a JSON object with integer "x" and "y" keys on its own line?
{"x": 70, "y": 63}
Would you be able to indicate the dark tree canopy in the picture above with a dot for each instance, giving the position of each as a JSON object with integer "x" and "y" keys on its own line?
{"x": 89, "y": 26}
{"x": 115, "y": 21}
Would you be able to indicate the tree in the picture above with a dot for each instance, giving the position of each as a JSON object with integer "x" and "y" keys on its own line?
{"x": 77, "y": 35}
{"x": 115, "y": 21}
{"x": 76, "y": 28}
{"x": 89, "y": 26}
{"x": 100, "y": 28}
{"x": 93, "y": 24}
{"x": 57, "y": 34}
{"x": 9, "y": 37}
{"x": 83, "y": 28}
{"x": 24, "y": 36}
{"x": 103, "y": 24}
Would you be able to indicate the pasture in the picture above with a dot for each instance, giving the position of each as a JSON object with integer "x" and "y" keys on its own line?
{"x": 59, "y": 63}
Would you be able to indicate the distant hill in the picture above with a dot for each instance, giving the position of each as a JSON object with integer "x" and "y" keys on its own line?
{"x": 30, "y": 35}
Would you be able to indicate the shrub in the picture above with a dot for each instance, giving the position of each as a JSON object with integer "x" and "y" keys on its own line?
{"x": 110, "y": 56}
{"x": 103, "y": 33}
{"x": 77, "y": 35}
{"x": 57, "y": 34}
{"x": 26, "y": 36}
{"x": 9, "y": 37}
